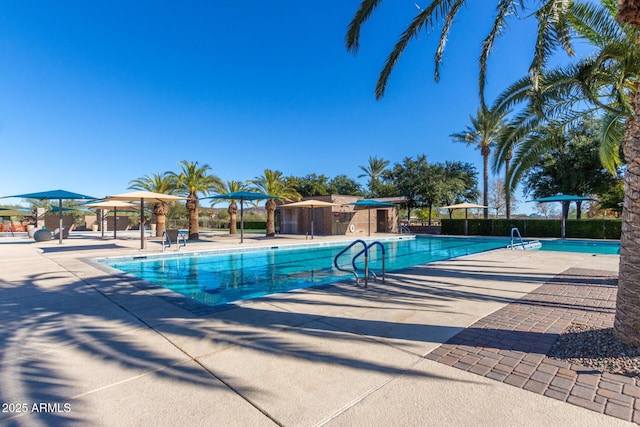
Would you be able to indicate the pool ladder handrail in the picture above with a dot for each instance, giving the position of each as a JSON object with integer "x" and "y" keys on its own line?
{"x": 364, "y": 251}
{"x": 165, "y": 237}
{"x": 515, "y": 231}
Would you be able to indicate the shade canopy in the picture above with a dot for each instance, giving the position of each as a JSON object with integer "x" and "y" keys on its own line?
{"x": 111, "y": 204}
{"x": 242, "y": 196}
{"x": 148, "y": 196}
{"x": 370, "y": 204}
{"x": 20, "y": 210}
{"x": 562, "y": 198}
{"x": 64, "y": 209}
{"x": 466, "y": 206}
{"x": 565, "y": 199}
{"x": 310, "y": 204}
{"x": 53, "y": 195}
{"x": 144, "y": 196}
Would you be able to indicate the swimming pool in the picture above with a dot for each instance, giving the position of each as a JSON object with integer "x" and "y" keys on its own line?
{"x": 220, "y": 278}
{"x": 583, "y": 246}
{"x": 223, "y": 277}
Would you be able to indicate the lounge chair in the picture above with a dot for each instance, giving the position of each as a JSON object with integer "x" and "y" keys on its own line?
{"x": 65, "y": 232}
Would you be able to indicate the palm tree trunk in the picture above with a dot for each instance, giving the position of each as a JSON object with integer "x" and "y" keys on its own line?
{"x": 507, "y": 190}
{"x": 192, "y": 207}
{"x": 233, "y": 217}
{"x": 271, "y": 215}
{"x": 161, "y": 224}
{"x": 629, "y": 12}
{"x": 627, "y": 321}
{"x": 485, "y": 179}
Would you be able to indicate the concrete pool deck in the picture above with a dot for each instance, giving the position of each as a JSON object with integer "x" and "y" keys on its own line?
{"x": 83, "y": 347}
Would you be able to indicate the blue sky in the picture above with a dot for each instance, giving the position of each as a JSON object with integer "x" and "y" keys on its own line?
{"x": 95, "y": 94}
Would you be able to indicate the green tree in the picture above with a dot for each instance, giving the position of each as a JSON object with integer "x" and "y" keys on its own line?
{"x": 613, "y": 198}
{"x": 342, "y": 184}
{"x": 483, "y": 133}
{"x": 311, "y": 185}
{"x": 191, "y": 180}
{"x": 461, "y": 183}
{"x": 598, "y": 86}
{"x": 411, "y": 180}
{"x": 226, "y": 188}
{"x": 272, "y": 183}
{"x": 374, "y": 171}
{"x": 571, "y": 167}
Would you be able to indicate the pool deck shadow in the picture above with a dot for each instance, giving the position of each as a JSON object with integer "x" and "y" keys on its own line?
{"x": 119, "y": 351}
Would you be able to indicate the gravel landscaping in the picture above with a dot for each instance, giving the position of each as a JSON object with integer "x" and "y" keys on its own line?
{"x": 596, "y": 348}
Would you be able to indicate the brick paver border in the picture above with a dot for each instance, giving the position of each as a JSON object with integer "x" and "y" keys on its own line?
{"x": 511, "y": 344}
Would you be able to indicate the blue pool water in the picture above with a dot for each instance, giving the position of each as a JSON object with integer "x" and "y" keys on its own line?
{"x": 583, "y": 246}
{"x": 220, "y": 278}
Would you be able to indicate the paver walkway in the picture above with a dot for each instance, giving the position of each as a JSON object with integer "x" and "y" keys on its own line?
{"x": 510, "y": 345}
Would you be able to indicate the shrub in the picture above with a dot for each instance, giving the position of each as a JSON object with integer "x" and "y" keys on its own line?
{"x": 583, "y": 228}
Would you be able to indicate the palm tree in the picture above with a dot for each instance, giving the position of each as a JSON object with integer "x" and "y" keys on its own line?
{"x": 600, "y": 85}
{"x": 483, "y": 133}
{"x": 627, "y": 320}
{"x": 373, "y": 170}
{"x": 191, "y": 180}
{"x": 553, "y": 32}
{"x": 271, "y": 182}
{"x": 226, "y": 188}
{"x": 158, "y": 183}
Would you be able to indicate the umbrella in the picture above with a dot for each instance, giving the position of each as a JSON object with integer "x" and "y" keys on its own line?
{"x": 149, "y": 196}
{"x": 111, "y": 204}
{"x": 13, "y": 211}
{"x": 368, "y": 204}
{"x": 242, "y": 196}
{"x": 310, "y": 204}
{"x": 466, "y": 207}
{"x": 53, "y": 195}
{"x": 565, "y": 199}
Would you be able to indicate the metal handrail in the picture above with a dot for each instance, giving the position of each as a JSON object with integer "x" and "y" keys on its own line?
{"x": 354, "y": 272}
{"x": 366, "y": 260}
{"x": 184, "y": 239}
{"x": 365, "y": 251}
{"x": 515, "y": 231}
{"x": 404, "y": 228}
{"x": 168, "y": 239}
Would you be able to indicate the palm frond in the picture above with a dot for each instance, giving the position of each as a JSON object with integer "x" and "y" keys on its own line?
{"x": 612, "y": 135}
{"x": 503, "y": 10}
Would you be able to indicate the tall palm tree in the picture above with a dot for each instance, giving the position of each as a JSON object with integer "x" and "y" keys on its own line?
{"x": 483, "y": 133}
{"x": 272, "y": 182}
{"x": 158, "y": 183}
{"x": 373, "y": 170}
{"x": 226, "y": 188}
{"x": 553, "y": 31}
{"x": 190, "y": 181}
{"x": 627, "y": 321}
